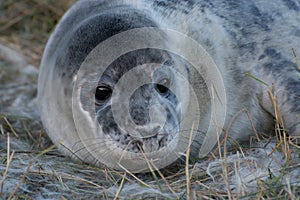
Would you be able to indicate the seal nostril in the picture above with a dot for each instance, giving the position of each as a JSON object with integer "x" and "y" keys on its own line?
{"x": 153, "y": 133}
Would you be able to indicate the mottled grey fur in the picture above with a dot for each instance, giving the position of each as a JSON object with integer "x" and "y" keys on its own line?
{"x": 254, "y": 36}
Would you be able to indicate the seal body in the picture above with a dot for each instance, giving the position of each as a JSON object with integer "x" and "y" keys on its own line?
{"x": 79, "y": 106}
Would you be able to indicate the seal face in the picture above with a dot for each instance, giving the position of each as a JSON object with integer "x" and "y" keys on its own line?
{"x": 128, "y": 82}
{"x": 149, "y": 135}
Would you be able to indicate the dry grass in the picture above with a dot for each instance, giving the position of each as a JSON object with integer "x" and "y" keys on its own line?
{"x": 31, "y": 168}
{"x": 25, "y": 25}
{"x": 296, "y": 59}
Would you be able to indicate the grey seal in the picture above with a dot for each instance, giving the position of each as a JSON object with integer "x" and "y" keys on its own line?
{"x": 90, "y": 102}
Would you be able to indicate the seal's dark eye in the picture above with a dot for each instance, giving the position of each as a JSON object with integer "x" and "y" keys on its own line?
{"x": 103, "y": 93}
{"x": 162, "y": 87}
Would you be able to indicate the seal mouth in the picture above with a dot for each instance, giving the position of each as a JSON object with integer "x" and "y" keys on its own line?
{"x": 152, "y": 143}
{"x": 149, "y": 144}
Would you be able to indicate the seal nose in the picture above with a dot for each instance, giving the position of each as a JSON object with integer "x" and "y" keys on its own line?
{"x": 149, "y": 132}
{"x": 150, "y": 145}
{"x": 158, "y": 114}
{"x": 150, "y": 140}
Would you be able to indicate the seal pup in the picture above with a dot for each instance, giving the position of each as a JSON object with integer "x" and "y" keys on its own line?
{"x": 176, "y": 89}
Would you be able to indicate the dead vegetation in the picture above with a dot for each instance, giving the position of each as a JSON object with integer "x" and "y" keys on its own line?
{"x": 31, "y": 168}
{"x": 25, "y": 25}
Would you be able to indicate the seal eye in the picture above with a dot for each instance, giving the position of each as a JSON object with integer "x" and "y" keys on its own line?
{"x": 103, "y": 93}
{"x": 162, "y": 87}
